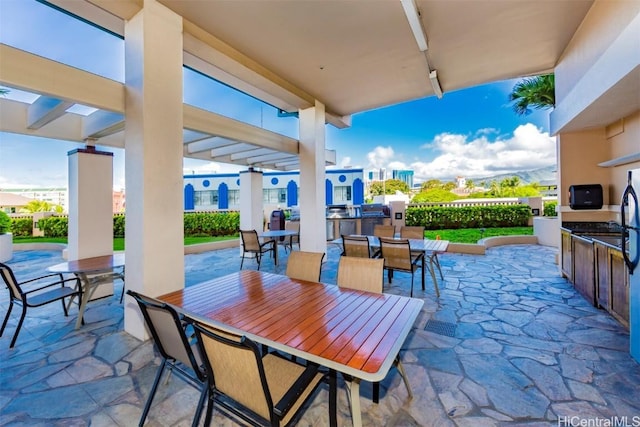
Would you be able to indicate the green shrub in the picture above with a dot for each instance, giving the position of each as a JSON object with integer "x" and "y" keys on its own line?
{"x": 550, "y": 208}
{"x": 118, "y": 225}
{"x": 436, "y": 217}
{"x": 22, "y": 227}
{"x": 54, "y": 226}
{"x": 198, "y": 224}
{"x": 5, "y": 223}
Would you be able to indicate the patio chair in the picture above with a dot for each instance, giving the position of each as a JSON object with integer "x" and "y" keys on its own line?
{"x": 411, "y": 232}
{"x": 292, "y": 240}
{"x": 305, "y": 265}
{"x": 380, "y": 230}
{"x": 367, "y": 275}
{"x": 398, "y": 257}
{"x": 251, "y": 245}
{"x": 356, "y": 246}
{"x": 50, "y": 288}
{"x": 167, "y": 329}
{"x": 269, "y": 389}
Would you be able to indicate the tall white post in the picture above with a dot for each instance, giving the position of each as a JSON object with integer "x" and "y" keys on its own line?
{"x": 90, "y": 207}
{"x": 313, "y": 222}
{"x": 153, "y": 163}
{"x": 251, "y": 202}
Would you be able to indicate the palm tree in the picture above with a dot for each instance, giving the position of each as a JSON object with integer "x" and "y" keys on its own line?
{"x": 537, "y": 92}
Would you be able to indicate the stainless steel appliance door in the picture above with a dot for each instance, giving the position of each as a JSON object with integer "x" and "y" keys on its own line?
{"x": 630, "y": 216}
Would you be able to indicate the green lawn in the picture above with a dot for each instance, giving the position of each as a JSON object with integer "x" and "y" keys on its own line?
{"x": 118, "y": 242}
{"x": 472, "y": 235}
{"x": 467, "y": 235}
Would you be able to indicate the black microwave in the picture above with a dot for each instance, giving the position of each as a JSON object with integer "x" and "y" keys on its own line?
{"x": 585, "y": 196}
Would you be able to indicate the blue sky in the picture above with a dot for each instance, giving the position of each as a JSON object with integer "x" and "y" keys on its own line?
{"x": 472, "y": 132}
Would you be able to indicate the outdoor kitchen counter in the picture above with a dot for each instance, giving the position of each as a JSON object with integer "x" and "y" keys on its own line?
{"x": 592, "y": 261}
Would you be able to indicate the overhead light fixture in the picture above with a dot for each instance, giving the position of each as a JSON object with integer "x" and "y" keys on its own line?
{"x": 433, "y": 76}
{"x": 413, "y": 16}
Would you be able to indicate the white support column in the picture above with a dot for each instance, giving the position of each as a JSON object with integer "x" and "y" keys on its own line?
{"x": 313, "y": 222}
{"x": 90, "y": 207}
{"x": 153, "y": 164}
{"x": 251, "y": 203}
{"x": 90, "y": 203}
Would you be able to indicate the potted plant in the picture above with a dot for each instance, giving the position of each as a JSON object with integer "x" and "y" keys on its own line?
{"x": 6, "y": 238}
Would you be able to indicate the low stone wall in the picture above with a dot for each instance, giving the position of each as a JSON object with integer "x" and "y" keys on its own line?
{"x": 480, "y": 247}
{"x": 211, "y": 246}
{"x": 490, "y": 242}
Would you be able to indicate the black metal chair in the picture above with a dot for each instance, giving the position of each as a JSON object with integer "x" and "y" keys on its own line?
{"x": 305, "y": 265}
{"x": 39, "y": 296}
{"x": 251, "y": 245}
{"x": 367, "y": 275}
{"x": 168, "y": 331}
{"x": 398, "y": 257}
{"x": 356, "y": 246}
{"x": 264, "y": 390}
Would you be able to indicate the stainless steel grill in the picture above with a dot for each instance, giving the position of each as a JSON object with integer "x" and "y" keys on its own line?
{"x": 337, "y": 211}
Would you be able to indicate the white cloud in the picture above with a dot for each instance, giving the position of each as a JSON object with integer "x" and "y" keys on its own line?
{"x": 380, "y": 157}
{"x": 459, "y": 155}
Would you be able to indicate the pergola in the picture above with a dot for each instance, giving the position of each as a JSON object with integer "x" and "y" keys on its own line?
{"x": 323, "y": 60}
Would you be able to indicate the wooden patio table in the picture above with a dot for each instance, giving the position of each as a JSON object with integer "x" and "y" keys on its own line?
{"x": 354, "y": 332}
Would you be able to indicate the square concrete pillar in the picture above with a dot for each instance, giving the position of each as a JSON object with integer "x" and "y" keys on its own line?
{"x": 313, "y": 222}
{"x": 154, "y": 151}
{"x": 90, "y": 207}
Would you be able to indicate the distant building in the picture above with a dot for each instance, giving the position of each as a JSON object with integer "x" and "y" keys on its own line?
{"x": 222, "y": 191}
{"x": 405, "y": 176}
{"x": 461, "y": 182}
{"x": 53, "y": 196}
{"x": 12, "y": 203}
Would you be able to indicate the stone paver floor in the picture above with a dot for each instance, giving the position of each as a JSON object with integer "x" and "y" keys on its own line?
{"x": 509, "y": 342}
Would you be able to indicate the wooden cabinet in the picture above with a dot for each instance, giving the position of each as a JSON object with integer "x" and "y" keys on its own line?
{"x": 603, "y": 279}
{"x": 565, "y": 255}
{"x": 619, "y": 287}
{"x": 612, "y": 282}
{"x": 583, "y": 268}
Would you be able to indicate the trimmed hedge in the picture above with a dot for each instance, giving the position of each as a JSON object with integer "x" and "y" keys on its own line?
{"x": 54, "y": 226}
{"x": 550, "y": 209}
{"x": 436, "y": 217}
{"x": 211, "y": 223}
{"x": 22, "y": 227}
{"x": 195, "y": 224}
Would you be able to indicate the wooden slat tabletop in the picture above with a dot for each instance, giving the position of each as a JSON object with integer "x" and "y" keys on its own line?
{"x": 89, "y": 265}
{"x": 355, "y": 332}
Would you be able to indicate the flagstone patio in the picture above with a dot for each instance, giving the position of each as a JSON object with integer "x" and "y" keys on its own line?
{"x": 509, "y": 342}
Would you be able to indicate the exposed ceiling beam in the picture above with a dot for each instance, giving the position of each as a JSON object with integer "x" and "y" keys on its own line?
{"x": 26, "y": 71}
{"x": 102, "y": 123}
{"x": 44, "y": 110}
{"x": 208, "y": 144}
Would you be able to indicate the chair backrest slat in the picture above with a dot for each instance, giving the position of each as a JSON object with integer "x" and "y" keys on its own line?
{"x": 365, "y": 274}
{"x": 11, "y": 282}
{"x": 356, "y": 246}
{"x": 167, "y": 330}
{"x": 237, "y": 368}
{"x": 396, "y": 253}
{"x": 305, "y": 265}
{"x": 411, "y": 232}
{"x": 380, "y": 230}
{"x": 250, "y": 240}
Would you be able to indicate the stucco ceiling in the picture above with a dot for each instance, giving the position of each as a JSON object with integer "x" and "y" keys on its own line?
{"x": 353, "y": 55}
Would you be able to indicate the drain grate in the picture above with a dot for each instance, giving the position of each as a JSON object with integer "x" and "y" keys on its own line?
{"x": 441, "y": 328}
